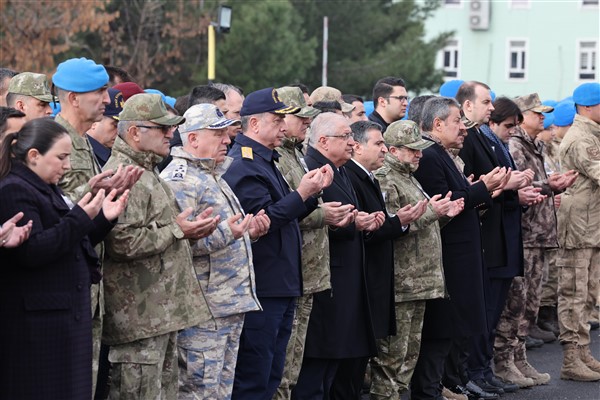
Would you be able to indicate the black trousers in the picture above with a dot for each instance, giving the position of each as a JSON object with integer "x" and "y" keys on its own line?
{"x": 426, "y": 379}
{"x": 330, "y": 379}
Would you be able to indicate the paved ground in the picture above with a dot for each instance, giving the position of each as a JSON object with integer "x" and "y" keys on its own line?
{"x": 548, "y": 358}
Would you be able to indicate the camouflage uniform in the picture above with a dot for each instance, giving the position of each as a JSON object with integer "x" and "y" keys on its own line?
{"x": 150, "y": 288}
{"x": 539, "y": 234}
{"x": 418, "y": 276}
{"x": 74, "y": 184}
{"x": 315, "y": 267}
{"x": 549, "y": 295}
{"x": 223, "y": 266}
{"x": 579, "y": 236}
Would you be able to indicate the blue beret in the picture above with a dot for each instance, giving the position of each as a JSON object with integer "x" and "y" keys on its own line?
{"x": 80, "y": 75}
{"x": 548, "y": 119}
{"x": 450, "y": 88}
{"x": 587, "y": 94}
{"x": 550, "y": 103}
{"x": 564, "y": 113}
{"x": 492, "y": 95}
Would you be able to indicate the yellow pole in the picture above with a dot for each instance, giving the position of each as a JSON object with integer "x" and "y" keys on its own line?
{"x": 211, "y": 53}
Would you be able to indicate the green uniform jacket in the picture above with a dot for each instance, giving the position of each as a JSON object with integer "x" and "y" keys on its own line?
{"x": 74, "y": 185}
{"x": 316, "y": 275}
{"x": 579, "y": 211}
{"x": 418, "y": 271}
{"x": 149, "y": 282}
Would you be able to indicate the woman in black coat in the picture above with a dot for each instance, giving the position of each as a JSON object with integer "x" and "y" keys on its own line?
{"x": 46, "y": 335}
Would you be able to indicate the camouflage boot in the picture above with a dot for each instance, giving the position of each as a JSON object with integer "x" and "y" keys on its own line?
{"x": 588, "y": 359}
{"x": 573, "y": 368}
{"x": 506, "y": 370}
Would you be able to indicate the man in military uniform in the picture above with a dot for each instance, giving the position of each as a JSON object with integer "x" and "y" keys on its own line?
{"x": 150, "y": 289}
{"x": 222, "y": 260}
{"x": 81, "y": 85}
{"x": 579, "y": 236}
{"x": 538, "y": 228}
{"x": 328, "y": 94}
{"x": 315, "y": 242}
{"x": 29, "y": 93}
{"x": 418, "y": 271}
{"x": 259, "y": 185}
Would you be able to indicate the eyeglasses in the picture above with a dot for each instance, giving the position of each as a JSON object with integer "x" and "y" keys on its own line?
{"x": 400, "y": 98}
{"x": 163, "y": 128}
{"x": 345, "y": 136}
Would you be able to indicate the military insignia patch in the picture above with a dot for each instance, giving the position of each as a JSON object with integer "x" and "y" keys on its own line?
{"x": 179, "y": 172}
{"x": 247, "y": 153}
{"x": 593, "y": 152}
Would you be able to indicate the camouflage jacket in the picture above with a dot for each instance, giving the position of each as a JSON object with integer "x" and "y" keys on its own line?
{"x": 551, "y": 158}
{"x": 74, "y": 185}
{"x": 316, "y": 275}
{"x": 418, "y": 271}
{"x": 149, "y": 282}
{"x": 223, "y": 264}
{"x": 579, "y": 211}
{"x": 538, "y": 221}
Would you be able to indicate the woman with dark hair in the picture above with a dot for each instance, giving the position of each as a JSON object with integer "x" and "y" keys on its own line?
{"x": 46, "y": 337}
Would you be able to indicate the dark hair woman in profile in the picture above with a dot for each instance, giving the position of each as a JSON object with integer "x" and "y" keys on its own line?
{"x": 46, "y": 335}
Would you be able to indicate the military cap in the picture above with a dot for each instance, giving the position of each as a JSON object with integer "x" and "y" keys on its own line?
{"x": 293, "y": 96}
{"x": 204, "y": 116}
{"x": 115, "y": 106}
{"x": 586, "y": 94}
{"x": 564, "y": 113}
{"x": 328, "y": 93}
{"x": 405, "y": 133}
{"x": 531, "y": 102}
{"x": 80, "y": 75}
{"x": 148, "y": 107}
{"x": 129, "y": 89}
{"x": 266, "y": 100}
{"x": 31, "y": 84}
{"x": 450, "y": 88}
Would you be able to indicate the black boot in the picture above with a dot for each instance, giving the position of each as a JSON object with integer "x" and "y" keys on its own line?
{"x": 548, "y": 319}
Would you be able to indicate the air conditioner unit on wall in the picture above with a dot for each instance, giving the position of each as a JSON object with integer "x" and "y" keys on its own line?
{"x": 479, "y": 15}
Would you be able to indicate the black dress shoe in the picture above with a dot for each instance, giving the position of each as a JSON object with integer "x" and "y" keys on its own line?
{"x": 463, "y": 390}
{"x": 506, "y": 386}
{"x": 488, "y": 387}
{"x": 531, "y": 343}
{"x": 480, "y": 393}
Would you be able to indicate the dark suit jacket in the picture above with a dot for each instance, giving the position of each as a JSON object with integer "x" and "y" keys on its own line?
{"x": 379, "y": 252}
{"x": 259, "y": 185}
{"x": 46, "y": 337}
{"x": 340, "y": 324}
{"x": 464, "y": 313}
{"x": 479, "y": 155}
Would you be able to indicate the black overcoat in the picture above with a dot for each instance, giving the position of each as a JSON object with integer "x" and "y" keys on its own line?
{"x": 46, "y": 335}
{"x": 463, "y": 314}
{"x": 340, "y": 324}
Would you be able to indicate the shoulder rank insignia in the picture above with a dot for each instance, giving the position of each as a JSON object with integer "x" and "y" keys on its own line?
{"x": 179, "y": 172}
{"x": 247, "y": 153}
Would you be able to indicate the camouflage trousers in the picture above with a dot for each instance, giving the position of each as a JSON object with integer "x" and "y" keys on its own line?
{"x": 550, "y": 280}
{"x": 207, "y": 361}
{"x": 392, "y": 369}
{"x": 97, "y": 317}
{"x": 521, "y": 306}
{"x": 294, "y": 352}
{"x": 578, "y": 285}
{"x": 145, "y": 369}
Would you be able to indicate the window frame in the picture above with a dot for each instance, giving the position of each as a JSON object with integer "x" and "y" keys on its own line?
{"x": 578, "y": 54}
{"x": 525, "y": 66}
{"x": 456, "y": 48}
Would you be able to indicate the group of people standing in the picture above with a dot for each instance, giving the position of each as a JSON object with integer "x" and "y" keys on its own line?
{"x": 283, "y": 245}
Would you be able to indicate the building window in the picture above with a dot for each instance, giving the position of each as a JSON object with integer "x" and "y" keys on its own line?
{"x": 517, "y": 59}
{"x": 519, "y": 4}
{"x": 449, "y": 59}
{"x": 587, "y": 57}
{"x": 589, "y": 3}
{"x": 452, "y": 3}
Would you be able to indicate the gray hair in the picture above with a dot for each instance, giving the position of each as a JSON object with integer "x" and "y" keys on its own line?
{"x": 360, "y": 129}
{"x": 226, "y": 88}
{"x": 123, "y": 127}
{"x": 437, "y": 107}
{"x": 323, "y": 125}
{"x": 415, "y": 108}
